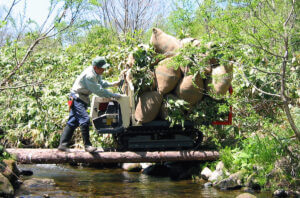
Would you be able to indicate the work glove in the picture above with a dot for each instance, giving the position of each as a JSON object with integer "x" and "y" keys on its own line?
{"x": 116, "y": 96}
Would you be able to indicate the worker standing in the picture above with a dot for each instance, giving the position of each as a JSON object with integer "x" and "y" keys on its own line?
{"x": 88, "y": 82}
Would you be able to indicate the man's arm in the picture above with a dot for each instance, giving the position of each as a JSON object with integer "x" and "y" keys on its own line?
{"x": 98, "y": 89}
{"x": 112, "y": 84}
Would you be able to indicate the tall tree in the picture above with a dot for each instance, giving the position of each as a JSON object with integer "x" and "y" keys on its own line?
{"x": 126, "y": 16}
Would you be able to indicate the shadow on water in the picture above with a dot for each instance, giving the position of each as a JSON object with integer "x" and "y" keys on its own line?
{"x": 89, "y": 182}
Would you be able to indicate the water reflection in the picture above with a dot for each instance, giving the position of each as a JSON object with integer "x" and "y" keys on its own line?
{"x": 89, "y": 182}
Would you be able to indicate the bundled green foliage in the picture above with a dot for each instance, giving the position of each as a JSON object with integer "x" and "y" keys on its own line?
{"x": 143, "y": 68}
{"x": 177, "y": 111}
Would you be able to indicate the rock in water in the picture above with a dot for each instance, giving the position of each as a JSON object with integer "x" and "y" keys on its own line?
{"x": 6, "y": 188}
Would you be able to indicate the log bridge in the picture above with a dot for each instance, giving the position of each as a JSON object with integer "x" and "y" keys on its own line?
{"x": 54, "y": 156}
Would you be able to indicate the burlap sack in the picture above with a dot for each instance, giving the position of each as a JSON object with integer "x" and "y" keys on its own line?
{"x": 162, "y": 42}
{"x": 187, "y": 91}
{"x": 166, "y": 76}
{"x": 194, "y": 42}
{"x": 148, "y": 106}
{"x": 220, "y": 82}
{"x": 164, "y": 110}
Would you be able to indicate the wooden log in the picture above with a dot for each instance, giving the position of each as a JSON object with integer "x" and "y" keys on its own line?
{"x": 54, "y": 156}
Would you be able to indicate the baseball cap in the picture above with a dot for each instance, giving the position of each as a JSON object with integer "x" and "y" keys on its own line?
{"x": 100, "y": 62}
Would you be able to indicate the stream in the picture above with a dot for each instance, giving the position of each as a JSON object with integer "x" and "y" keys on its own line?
{"x": 76, "y": 181}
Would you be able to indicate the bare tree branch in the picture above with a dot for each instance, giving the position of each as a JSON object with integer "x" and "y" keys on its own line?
{"x": 291, "y": 12}
{"x": 129, "y": 15}
{"x": 51, "y": 9}
{"x": 255, "y": 87}
{"x": 15, "y": 2}
{"x": 21, "y": 86}
{"x": 266, "y": 72}
{"x": 267, "y": 51}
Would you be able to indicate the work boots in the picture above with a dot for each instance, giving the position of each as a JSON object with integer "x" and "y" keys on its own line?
{"x": 65, "y": 138}
{"x": 85, "y": 131}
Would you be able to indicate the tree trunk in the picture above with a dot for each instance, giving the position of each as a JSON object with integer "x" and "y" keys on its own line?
{"x": 54, "y": 156}
{"x": 283, "y": 89}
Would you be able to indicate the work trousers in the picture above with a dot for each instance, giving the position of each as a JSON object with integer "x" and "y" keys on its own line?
{"x": 77, "y": 117}
{"x": 78, "y": 114}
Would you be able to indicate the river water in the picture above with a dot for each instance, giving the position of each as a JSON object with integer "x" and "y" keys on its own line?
{"x": 77, "y": 181}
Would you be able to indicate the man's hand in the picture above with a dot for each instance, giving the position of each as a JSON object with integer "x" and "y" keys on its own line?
{"x": 117, "y": 96}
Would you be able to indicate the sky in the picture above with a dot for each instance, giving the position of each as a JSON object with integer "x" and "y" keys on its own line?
{"x": 36, "y": 10}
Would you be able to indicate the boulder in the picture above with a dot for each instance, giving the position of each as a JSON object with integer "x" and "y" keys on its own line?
{"x": 281, "y": 193}
{"x": 11, "y": 171}
{"x": 206, "y": 173}
{"x": 157, "y": 170}
{"x": 234, "y": 181}
{"x": 182, "y": 170}
{"x": 246, "y": 195}
{"x": 207, "y": 185}
{"x": 38, "y": 186}
{"x": 146, "y": 165}
{"x": 37, "y": 183}
{"x": 132, "y": 167}
{"x": 6, "y": 188}
{"x": 216, "y": 175}
{"x": 220, "y": 166}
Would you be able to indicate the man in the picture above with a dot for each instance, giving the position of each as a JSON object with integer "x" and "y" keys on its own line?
{"x": 88, "y": 82}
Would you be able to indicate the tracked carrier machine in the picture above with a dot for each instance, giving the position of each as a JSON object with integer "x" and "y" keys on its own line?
{"x": 117, "y": 117}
